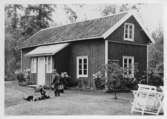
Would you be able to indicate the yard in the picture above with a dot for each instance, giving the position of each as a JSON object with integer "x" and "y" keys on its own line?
{"x": 72, "y": 102}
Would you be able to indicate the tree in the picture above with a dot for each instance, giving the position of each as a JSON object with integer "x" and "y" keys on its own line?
{"x": 12, "y": 35}
{"x": 113, "y": 9}
{"x": 72, "y": 15}
{"x": 12, "y": 13}
{"x": 156, "y": 52}
{"x": 109, "y": 10}
{"x": 36, "y": 17}
{"x": 20, "y": 23}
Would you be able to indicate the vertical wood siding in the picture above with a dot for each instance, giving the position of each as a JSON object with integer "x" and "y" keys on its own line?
{"x": 118, "y": 47}
{"x": 95, "y": 51}
{"x": 116, "y": 51}
{"x": 139, "y": 35}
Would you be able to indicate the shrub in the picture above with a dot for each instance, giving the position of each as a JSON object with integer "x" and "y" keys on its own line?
{"x": 10, "y": 76}
{"x": 130, "y": 83}
{"x": 155, "y": 79}
{"x": 100, "y": 83}
{"x": 115, "y": 74}
{"x": 99, "y": 80}
{"x": 70, "y": 82}
{"x": 20, "y": 77}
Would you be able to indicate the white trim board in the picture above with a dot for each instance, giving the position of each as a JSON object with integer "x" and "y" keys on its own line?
{"x": 77, "y": 68}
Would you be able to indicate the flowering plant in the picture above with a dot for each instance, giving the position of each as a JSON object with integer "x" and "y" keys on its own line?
{"x": 97, "y": 75}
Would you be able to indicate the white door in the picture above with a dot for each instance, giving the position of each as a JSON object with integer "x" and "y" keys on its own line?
{"x": 41, "y": 71}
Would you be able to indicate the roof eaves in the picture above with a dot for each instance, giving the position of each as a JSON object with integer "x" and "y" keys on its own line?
{"x": 113, "y": 28}
{"x": 67, "y": 41}
{"x": 143, "y": 27}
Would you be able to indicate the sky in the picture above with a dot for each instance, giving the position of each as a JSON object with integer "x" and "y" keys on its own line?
{"x": 152, "y": 14}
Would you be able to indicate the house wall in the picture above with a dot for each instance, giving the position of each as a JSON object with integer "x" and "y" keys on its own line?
{"x": 118, "y": 47}
{"x": 95, "y": 50}
{"x": 139, "y": 35}
{"x": 117, "y": 51}
{"x": 60, "y": 63}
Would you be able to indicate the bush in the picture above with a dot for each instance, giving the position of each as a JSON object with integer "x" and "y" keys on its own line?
{"x": 99, "y": 83}
{"x": 130, "y": 83}
{"x": 70, "y": 82}
{"x": 155, "y": 79}
{"x": 115, "y": 74}
{"x": 10, "y": 76}
{"x": 20, "y": 77}
{"x": 99, "y": 80}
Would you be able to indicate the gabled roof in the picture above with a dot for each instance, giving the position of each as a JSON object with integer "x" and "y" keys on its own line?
{"x": 90, "y": 29}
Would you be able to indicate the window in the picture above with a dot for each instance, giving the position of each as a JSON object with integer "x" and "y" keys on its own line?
{"x": 33, "y": 65}
{"x": 128, "y": 66}
{"x": 129, "y": 31}
{"x": 48, "y": 61}
{"x": 82, "y": 66}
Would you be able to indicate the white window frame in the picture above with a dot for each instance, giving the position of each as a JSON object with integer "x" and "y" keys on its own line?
{"x": 132, "y": 68}
{"x": 33, "y": 65}
{"x": 48, "y": 66}
{"x": 82, "y": 65}
{"x": 128, "y": 31}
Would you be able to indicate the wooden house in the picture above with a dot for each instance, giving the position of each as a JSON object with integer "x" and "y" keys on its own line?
{"x": 81, "y": 47}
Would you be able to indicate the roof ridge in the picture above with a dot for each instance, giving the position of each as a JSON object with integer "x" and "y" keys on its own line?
{"x": 84, "y": 21}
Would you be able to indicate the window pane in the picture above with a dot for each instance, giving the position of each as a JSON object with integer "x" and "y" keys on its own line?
{"x": 80, "y": 61}
{"x": 80, "y": 72}
{"x": 130, "y": 36}
{"x": 130, "y": 61}
{"x": 125, "y": 61}
{"x": 126, "y": 35}
{"x": 126, "y": 26}
{"x": 85, "y": 66}
{"x": 85, "y": 72}
{"x": 130, "y": 72}
{"x": 80, "y": 66}
{"x": 85, "y": 61}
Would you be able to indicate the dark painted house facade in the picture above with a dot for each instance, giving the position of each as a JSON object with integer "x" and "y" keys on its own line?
{"x": 80, "y": 48}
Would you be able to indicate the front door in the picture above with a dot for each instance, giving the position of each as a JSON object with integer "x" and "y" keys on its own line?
{"x": 41, "y": 71}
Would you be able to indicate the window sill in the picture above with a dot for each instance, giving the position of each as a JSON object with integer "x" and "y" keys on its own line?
{"x": 83, "y": 76}
{"x": 126, "y": 39}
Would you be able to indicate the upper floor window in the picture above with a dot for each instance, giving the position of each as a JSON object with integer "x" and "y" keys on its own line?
{"x": 33, "y": 65}
{"x": 129, "y": 31}
{"x": 82, "y": 66}
{"x": 49, "y": 64}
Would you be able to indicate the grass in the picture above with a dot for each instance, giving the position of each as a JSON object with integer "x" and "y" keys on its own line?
{"x": 72, "y": 102}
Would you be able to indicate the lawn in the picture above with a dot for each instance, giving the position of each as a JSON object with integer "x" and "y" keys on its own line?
{"x": 72, "y": 102}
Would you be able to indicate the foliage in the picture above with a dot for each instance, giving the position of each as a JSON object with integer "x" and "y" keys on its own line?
{"x": 109, "y": 10}
{"x": 10, "y": 60}
{"x": 156, "y": 52}
{"x": 99, "y": 80}
{"x": 36, "y": 17}
{"x": 70, "y": 82}
{"x": 72, "y": 15}
{"x": 20, "y": 23}
{"x": 113, "y": 9}
{"x": 155, "y": 79}
{"x": 20, "y": 77}
{"x": 115, "y": 74}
